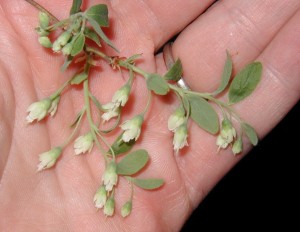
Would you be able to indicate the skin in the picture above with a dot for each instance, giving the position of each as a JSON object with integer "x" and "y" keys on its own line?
{"x": 60, "y": 199}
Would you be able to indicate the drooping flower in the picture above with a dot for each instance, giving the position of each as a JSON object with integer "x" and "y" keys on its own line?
{"x": 176, "y": 119}
{"x": 100, "y": 197}
{"x": 61, "y": 41}
{"x": 38, "y": 110}
{"x": 227, "y": 134}
{"x": 110, "y": 176}
{"x": 180, "y": 137}
{"x": 84, "y": 143}
{"x": 132, "y": 128}
{"x": 237, "y": 146}
{"x": 109, "y": 207}
{"x": 112, "y": 111}
{"x": 126, "y": 208}
{"x": 48, "y": 159}
{"x": 120, "y": 97}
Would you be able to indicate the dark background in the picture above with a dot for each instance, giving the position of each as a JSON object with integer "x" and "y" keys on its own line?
{"x": 260, "y": 192}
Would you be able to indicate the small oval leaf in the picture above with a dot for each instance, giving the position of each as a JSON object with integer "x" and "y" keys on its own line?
{"x": 133, "y": 162}
{"x": 157, "y": 84}
{"x": 175, "y": 72}
{"x": 226, "y": 75}
{"x": 251, "y": 134}
{"x": 120, "y": 147}
{"x": 99, "y": 31}
{"x": 99, "y": 13}
{"x": 203, "y": 114}
{"x": 148, "y": 184}
{"x": 245, "y": 82}
{"x": 78, "y": 44}
{"x": 92, "y": 36}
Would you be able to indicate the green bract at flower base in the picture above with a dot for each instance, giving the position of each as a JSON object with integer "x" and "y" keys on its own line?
{"x": 81, "y": 38}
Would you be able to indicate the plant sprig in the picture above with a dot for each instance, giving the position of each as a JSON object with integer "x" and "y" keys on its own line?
{"x": 81, "y": 39}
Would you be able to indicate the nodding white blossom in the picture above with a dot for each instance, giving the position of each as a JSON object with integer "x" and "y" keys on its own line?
{"x": 121, "y": 95}
{"x": 119, "y": 99}
{"x": 48, "y": 159}
{"x": 132, "y": 128}
{"x": 109, "y": 207}
{"x": 176, "y": 119}
{"x": 100, "y": 197}
{"x": 180, "y": 137}
{"x": 84, "y": 143}
{"x": 227, "y": 134}
{"x": 38, "y": 110}
{"x": 112, "y": 110}
{"x": 110, "y": 176}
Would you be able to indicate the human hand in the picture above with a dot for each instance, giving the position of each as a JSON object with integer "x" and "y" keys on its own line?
{"x": 60, "y": 199}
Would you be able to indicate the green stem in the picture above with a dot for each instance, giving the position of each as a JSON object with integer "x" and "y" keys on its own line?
{"x": 90, "y": 119}
{"x": 148, "y": 103}
{"x": 75, "y": 130}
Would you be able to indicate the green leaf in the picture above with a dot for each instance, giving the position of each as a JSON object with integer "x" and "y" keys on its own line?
{"x": 175, "y": 72}
{"x": 133, "y": 162}
{"x": 79, "y": 78}
{"x": 75, "y": 7}
{"x": 203, "y": 114}
{"x": 99, "y": 13}
{"x": 78, "y": 44}
{"x": 245, "y": 82}
{"x": 120, "y": 147}
{"x": 148, "y": 184}
{"x": 226, "y": 75}
{"x": 92, "y": 35}
{"x": 157, "y": 84}
{"x": 99, "y": 31}
{"x": 250, "y": 132}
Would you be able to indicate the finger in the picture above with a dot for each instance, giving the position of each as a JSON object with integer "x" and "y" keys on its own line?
{"x": 278, "y": 91}
{"x": 244, "y": 28}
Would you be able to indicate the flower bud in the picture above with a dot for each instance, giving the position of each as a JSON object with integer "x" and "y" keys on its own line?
{"x": 132, "y": 128}
{"x": 126, "y": 208}
{"x": 121, "y": 96}
{"x": 176, "y": 119}
{"x": 38, "y": 110}
{"x": 110, "y": 176}
{"x": 45, "y": 42}
{"x": 61, "y": 41}
{"x": 100, "y": 197}
{"x": 67, "y": 49}
{"x": 44, "y": 20}
{"x": 180, "y": 137}
{"x": 84, "y": 143}
{"x": 109, "y": 207}
{"x": 48, "y": 159}
{"x": 237, "y": 146}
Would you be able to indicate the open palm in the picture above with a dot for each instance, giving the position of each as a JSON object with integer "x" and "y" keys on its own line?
{"x": 60, "y": 199}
